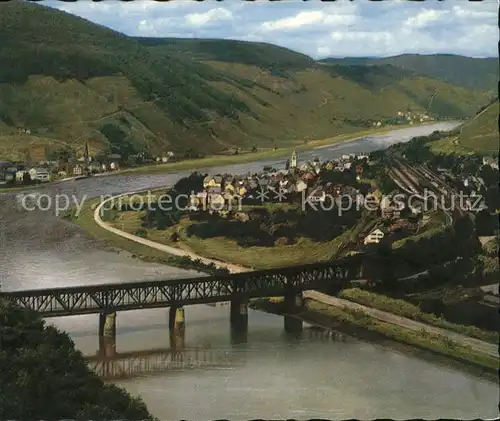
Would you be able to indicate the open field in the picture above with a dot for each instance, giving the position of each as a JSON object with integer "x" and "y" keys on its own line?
{"x": 477, "y": 135}
{"x": 481, "y": 132}
{"x": 86, "y": 221}
{"x": 302, "y": 252}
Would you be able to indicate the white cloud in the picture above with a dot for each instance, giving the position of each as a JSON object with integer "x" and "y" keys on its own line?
{"x": 314, "y": 28}
{"x": 468, "y": 13}
{"x": 200, "y": 19}
{"x": 301, "y": 19}
{"x": 425, "y": 18}
{"x": 308, "y": 18}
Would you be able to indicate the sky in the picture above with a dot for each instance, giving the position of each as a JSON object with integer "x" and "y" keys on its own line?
{"x": 343, "y": 28}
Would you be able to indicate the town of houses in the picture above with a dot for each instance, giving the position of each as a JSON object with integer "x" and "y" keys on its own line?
{"x": 45, "y": 171}
{"x": 222, "y": 190}
{"x": 223, "y": 193}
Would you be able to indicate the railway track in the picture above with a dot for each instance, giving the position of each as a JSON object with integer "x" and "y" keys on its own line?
{"x": 418, "y": 179}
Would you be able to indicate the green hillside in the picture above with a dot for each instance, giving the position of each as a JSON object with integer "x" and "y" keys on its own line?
{"x": 471, "y": 73}
{"x": 481, "y": 133}
{"x": 68, "y": 80}
{"x": 266, "y": 56}
{"x": 477, "y": 135}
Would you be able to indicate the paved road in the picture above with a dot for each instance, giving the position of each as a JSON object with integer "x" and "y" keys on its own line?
{"x": 484, "y": 347}
{"x": 162, "y": 247}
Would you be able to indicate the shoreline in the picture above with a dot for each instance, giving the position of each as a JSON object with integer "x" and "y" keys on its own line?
{"x": 112, "y": 242}
{"x": 245, "y": 158}
{"x": 316, "y": 313}
{"x": 158, "y": 246}
{"x": 211, "y": 161}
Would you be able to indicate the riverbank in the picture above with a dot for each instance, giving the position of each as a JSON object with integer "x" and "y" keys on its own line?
{"x": 113, "y": 242}
{"x": 413, "y": 312}
{"x": 25, "y": 187}
{"x": 17, "y": 188}
{"x": 221, "y": 160}
{"x": 392, "y": 331}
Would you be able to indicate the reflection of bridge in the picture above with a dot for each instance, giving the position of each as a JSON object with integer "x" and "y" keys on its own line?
{"x": 132, "y": 364}
{"x": 137, "y": 363}
{"x": 288, "y": 282}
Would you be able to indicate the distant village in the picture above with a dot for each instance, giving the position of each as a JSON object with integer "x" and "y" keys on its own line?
{"x": 43, "y": 171}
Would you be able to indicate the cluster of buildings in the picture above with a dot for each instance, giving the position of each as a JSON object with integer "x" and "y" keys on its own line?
{"x": 46, "y": 171}
{"x": 405, "y": 117}
{"x": 21, "y": 173}
{"x": 221, "y": 191}
{"x": 414, "y": 117}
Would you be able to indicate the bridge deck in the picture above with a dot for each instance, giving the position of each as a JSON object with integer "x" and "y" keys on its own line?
{"x": 199, "y": 290}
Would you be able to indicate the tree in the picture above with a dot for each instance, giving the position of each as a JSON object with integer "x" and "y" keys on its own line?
{"x": 27, "y": 178}
{"x": 492, "y": 198}
{"x": 385, "y": 254}
{"x": 192, "y": 183}
{"x": 44, "y": 377}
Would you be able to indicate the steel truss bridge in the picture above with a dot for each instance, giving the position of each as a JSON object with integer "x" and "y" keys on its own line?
{"x": 89, "y": 299}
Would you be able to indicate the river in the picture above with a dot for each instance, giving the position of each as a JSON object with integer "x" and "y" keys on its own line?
{"x": 271, "y": 375}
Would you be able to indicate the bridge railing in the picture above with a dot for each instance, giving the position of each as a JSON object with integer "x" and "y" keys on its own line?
{"x": 200, "y": 290}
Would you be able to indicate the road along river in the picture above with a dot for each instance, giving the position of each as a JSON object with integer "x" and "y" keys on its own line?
{"x": 271, "y": 376}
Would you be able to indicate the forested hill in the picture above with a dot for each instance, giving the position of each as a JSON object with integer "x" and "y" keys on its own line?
{"x": 69, "y": 80}
{"x": 467, "y": 72}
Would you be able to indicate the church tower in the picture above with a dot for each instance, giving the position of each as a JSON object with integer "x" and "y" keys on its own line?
{"x": 293, "y": 163}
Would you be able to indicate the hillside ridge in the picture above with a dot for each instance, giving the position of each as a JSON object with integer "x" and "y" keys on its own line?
{"x": 70, "y": 81}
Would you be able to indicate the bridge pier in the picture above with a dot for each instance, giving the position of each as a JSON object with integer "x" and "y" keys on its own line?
{"x": 238, "y": 316}
{"x": 107, "y": 334}
{"x": 294, "y": 303}
{"x": 177, "y": 327}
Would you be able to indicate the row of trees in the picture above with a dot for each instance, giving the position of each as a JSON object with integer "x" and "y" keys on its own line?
{"x": 264, "y": 228}
{"x": 445, "y": 245}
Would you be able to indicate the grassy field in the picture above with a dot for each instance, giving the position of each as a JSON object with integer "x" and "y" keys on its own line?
{"x": 478, "y": 135}
{"x": 449, "y": 145}
{"x": 86, "y": 221}
{"x": 481, "y": 133}
{"x": 302, "y": 252}
{"x": 406, "y": 309}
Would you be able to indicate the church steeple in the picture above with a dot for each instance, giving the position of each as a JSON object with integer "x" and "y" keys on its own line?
{"x": 86, "y": 154}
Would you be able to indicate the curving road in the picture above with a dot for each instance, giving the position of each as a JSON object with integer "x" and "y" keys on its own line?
{"x": 158, "y": 246}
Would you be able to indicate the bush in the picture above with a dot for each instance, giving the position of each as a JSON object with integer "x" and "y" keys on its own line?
{"x": 141, "y": 233}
